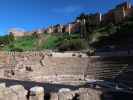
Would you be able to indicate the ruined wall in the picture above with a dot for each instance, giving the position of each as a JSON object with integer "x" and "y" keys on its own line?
{"x": 40, "y": 66}
{"x": 18, "y": 92}
{"x": 67, "y": 68}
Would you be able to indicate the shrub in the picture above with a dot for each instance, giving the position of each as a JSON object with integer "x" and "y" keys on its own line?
{"x": 73, "y": 45}
{"x": 17, "y": 49}
{"x": 11, "y": 38}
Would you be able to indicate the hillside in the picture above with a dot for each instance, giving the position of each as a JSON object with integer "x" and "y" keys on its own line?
{"x": 103, "y": 36}
{"x": 45, "y": 41}
{"x": 112, "y": 30}
{"x": 120, "y": 37}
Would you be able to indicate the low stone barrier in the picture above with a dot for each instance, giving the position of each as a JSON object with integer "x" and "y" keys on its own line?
{"x": 18, "y": 92}
{"x": 37, "y": 93}
{"x": 65, "y": 96}
{"x": 54, "y": 96}
{"x": 81, "y": 94}
{"x": 89, "y": 94}
{"x": 35, "y": 66}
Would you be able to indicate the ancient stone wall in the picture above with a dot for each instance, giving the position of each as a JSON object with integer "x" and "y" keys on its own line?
{"x": 67, "y": 68}
{"x": 18, "y": 92}
{"x": 43, "y": 66}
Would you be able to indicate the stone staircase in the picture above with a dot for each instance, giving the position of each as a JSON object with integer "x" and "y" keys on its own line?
{"x": 115, "y": 68}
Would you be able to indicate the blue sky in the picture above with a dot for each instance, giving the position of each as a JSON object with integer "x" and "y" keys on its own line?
{"x": 33, "y": 14}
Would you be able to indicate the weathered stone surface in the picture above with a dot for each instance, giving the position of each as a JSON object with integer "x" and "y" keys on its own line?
{"x": 1, "y": 73}
{"x": 2, "y": 89}
{"x": 65, "y": 96}
{"x": 17, "y": 92}
{"x": 7, "y": 94}
{"x": 89, "y": 94}
{"x": 54, "y": 96}
{"x": 37, "y": 93}
{"x": 10, "y": 95}
{"x": 39, "y": 64}
{"x": 20, "y": 91}
{"x": 42, "y": 62}
{"x": 3, "y": 85}
{"x": 64, "y": 90}
{"x": 86, "y": 96}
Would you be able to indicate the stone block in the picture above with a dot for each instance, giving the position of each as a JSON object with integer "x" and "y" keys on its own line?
{"x": 20, "y": 91}
{"x": 65, "y": 96}
{"x": 37, "y": 93}
{"x": 7, "y": 94}
{"x": 10, "y": 95}
{"x": 89, "y": 94}
{"x": 3, "y": 85}
{"x": 54, "y": 96}
{"x": 64, "y": 90}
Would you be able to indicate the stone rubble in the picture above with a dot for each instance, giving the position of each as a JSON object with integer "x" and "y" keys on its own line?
{"x": 60, "y": 68}
{"x": 40, "y": 66}
{"x": 18, "y": 92}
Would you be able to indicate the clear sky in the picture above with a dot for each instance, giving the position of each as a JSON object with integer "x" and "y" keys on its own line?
{"x": 33, "y": 14}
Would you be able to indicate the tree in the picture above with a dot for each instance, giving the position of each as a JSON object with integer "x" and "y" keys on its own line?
{"x": 73, "y": 45}
{"x": 11, "y": 37}
{"x": 83, "y": 29}
{"x": 81, "y": 16}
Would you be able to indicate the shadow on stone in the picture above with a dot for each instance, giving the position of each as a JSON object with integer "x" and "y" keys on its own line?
{"x": 76, "y": 97}
{"x": 47, "y": 96}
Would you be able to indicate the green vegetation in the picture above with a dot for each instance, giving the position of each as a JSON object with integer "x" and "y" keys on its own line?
{"x": 4, "y": 40}
{"x": 50, "y": 42}
{"x": 73, "y": 44}
{"x": 45, "y": 41}
{"x": 21, "y": 44}
{"x": 94, "y": 36}
{"x": 118, "y": 35}
{"x": 107, "y": 34}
